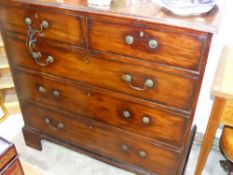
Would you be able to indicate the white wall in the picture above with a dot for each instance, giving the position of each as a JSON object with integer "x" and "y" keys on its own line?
{"x": 224, "y": 37}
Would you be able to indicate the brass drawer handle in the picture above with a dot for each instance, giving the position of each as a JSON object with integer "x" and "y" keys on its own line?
{"x": 142, "y": 153}
{"x": 147, "y": 84}
{"x": 153, "y": 44}
{"x": 56, "y": 93}
{"x": 49, "y": 60}
{"x": 41, "y": 89}
{"x": 52, "y": 125}
{"x": 125, "y": 148}
{"x": 32, "y": 42}
{"x": 129, "y": 39}
{"x": 146, "y": 120}
{"x": 126, "y": 114}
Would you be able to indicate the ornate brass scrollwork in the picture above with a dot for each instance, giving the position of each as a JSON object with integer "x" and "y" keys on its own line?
{"x": 32, "y": 41}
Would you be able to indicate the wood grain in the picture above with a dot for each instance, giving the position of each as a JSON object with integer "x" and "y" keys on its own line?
{"x": 3, "y": 110}
{"x": 92, "y": 137}
{"x": 143, "y": 12}
{"x": 227, "y": 115}
{"x": 62, "y": 28}
{"x": 223, "y": 112}
{"x": 87, "y": 71}
{"x": 91, "y": 103}
{"x": 107, "y": 74}
{"x": 186, "y": 54}
{"x": 226, "y": 142}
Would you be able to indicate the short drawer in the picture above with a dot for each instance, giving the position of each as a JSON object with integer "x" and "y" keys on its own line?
{"x": 165, "y": 47}
{"x": 92, "y": 137}
{"x": 134, "y": 80}
{"x": 105, "y": 107}
{"x": 57, "y": 27}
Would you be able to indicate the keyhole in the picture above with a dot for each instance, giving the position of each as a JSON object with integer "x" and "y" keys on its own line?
{"x": 141, "y": 34}
{"x": 36, "y": 15}
{"x": 89, "y": 94}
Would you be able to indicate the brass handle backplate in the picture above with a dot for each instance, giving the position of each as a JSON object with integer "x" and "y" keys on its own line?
{"x": 58, "y": 126}
{"x": 129, "y": 39}
{"x": 153, "y": 44}
{"x": 126, "y": 114}
{"x": 56, "y": 93}
{"x": 41, "y": 89}
{"x": 142, "y": 154}
{"x": 125, "y": 148}
{"x": 146, "y": 120}
{"x": 32, "y": 42}
{"x": 129, "y": 79}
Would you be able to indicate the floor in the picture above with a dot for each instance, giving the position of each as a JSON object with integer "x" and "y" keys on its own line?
{"x": 49, "y": 161}
{"x": 29, "y": 169}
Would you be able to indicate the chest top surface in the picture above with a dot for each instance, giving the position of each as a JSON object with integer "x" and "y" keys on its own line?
{"x": 146, "y": 11}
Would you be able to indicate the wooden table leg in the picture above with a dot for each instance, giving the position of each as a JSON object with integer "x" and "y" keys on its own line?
{"x": 3, "y": 108}
{"x": 213, "y": 123}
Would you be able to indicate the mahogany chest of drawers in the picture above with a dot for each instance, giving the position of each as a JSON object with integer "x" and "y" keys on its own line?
{"x": 120, "y": 85}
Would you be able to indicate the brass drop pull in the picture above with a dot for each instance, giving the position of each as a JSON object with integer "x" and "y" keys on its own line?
{"x": 126, "y": 114}
{"x": 125, "y": 148}
{"x": 49, "y": 60}
{"x": 58, "y": 126}
{"x": 129, "y": 79}
{"x": 56, "y": 93}
{"x": 129, "y": 39}
{"x": 32, "y": 42}
{"x": 146, "y": 120}
{"x": 41, "y": 89}
{"x": 142, "y": 154}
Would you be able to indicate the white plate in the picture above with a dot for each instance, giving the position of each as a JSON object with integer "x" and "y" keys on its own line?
{"x": 186, "y": 7}
{"x": 99, "y": 2}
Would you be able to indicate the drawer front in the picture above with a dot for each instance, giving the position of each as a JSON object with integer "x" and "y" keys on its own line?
{"x": 92, "y": 137}
{"x": 101, "y": 106}
{"x": 59, "y": 27}
{"x": 134, "y": 80}
{"x": 154, "y": 45}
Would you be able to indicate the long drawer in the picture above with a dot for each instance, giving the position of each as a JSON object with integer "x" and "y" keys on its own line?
{"x": 166, "y": 47}
{"x": 119, "y": 146}
{"x": 104, "y": 107}
{"x": 136, "y": 80}
{"x": 62, "y": 28}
